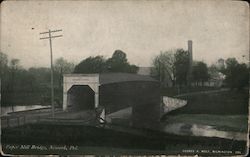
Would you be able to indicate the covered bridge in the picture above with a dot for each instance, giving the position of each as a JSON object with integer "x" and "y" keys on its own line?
{"x": 113, "y": 92}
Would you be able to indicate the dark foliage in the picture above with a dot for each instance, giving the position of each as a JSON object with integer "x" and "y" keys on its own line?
{"x": 91, "y": 65}
{"x": 117, "y": 63}
{"x": 237, "y": 75}
{"x": 181, "y": 65}
{"x": 200, "y": 72}
{"x": 30, "y": 87}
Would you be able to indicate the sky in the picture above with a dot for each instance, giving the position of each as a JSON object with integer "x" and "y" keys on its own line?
{"x": 141, "y": 29}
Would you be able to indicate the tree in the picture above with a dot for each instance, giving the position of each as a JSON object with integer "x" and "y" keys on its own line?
{"x": 3, "y": 64}
{"x": 173, "y": 65}
{"x": 200, "y": 72}
{"x": 61, "y": 67}
{"x": 41, "y": 75}
{"x": 41, "y": 84}
{"x": 237, "y": 75}
{"x": 4, "y": 77}
{"x": 181, "y": 66}
{"x": 14, "y": 65}
{"x": 91, "y": 65}
{"x": 231, "y": 62}
{"x": 163, "y": 66}
{"x": 119, "y": 63}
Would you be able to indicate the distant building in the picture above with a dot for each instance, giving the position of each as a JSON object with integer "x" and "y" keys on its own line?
{"x": 216, "y": 80}
{"x": 220, "y": 64}
{"x": 144, "y": 71}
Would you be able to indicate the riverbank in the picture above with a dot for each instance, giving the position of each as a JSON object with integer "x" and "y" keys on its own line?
{"x": 20, "y": 108}
{"x": 237, "y": 123}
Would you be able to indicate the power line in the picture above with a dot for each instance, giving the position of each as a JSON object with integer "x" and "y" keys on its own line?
{"x": 50, "y": 37}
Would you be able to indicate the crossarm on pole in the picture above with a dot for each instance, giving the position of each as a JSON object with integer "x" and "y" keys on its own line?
{"x": 51, "y": 37}
{"x": 52, "y": 31}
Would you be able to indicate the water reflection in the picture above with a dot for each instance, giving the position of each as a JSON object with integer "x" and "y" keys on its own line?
{"x": 202, "y": 130}
{"x": 9, "y": 109}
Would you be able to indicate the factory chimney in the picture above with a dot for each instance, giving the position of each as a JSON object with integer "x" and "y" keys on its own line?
{"x": 190, "y": 55}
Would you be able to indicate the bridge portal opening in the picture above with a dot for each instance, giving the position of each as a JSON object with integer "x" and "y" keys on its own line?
{"x": 81, "y": 97}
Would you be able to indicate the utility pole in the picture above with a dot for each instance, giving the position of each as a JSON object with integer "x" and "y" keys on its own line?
{"x": 51, "y": 64}
{"x": 159, "y": 62}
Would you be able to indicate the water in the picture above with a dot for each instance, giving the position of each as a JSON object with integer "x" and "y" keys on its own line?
{"x": 9, "y": 109}
{"x": 202, "y": 130}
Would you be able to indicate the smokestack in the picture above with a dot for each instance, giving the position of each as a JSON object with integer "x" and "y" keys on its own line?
{"x": 190, "y": 51}
{"x": 190, "y": 55}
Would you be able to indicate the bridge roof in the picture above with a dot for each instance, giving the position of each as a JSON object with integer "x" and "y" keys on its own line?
{"x": 107, "y": 78}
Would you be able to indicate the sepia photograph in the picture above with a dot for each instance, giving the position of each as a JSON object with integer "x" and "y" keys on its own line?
{"x": 122, "y": 77}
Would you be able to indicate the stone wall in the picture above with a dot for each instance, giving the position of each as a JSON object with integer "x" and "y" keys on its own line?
{"x": 170, "y": 104}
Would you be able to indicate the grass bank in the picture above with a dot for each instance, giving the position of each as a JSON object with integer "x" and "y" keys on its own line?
{"x": 231, "y": 102}
{"x": 172, "y": 91}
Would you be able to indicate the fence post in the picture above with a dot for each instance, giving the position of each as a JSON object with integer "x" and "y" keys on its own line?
{"x": 24, "y": 120}
{"x": 7, "y": 122}
{"x": 18, "y": 121}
